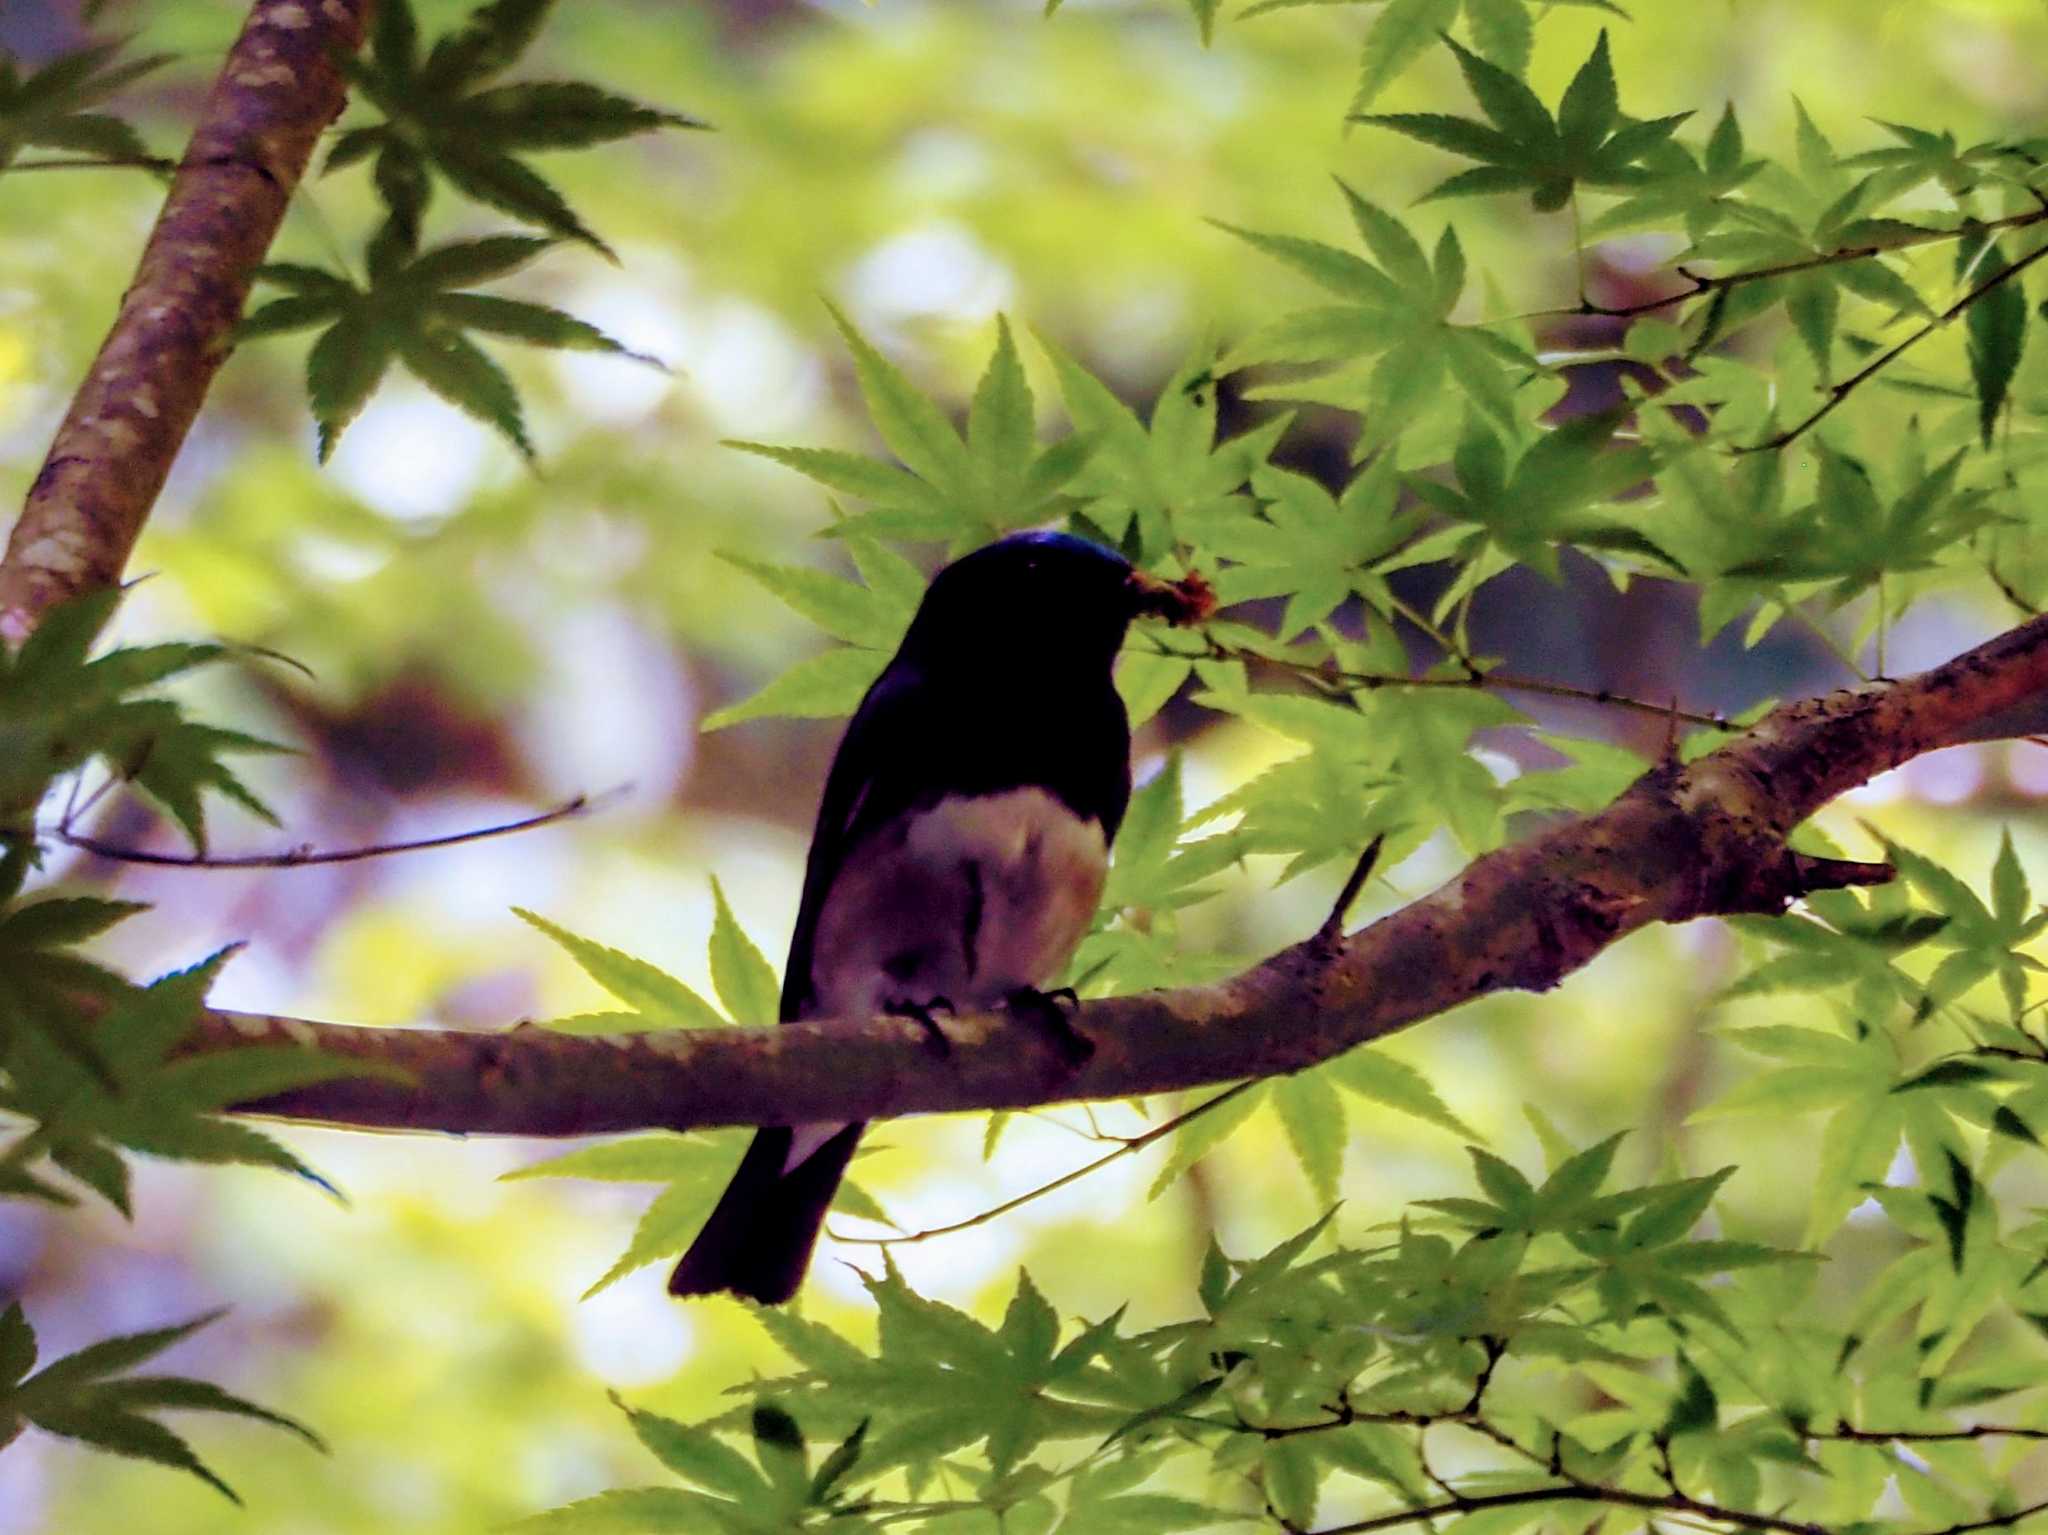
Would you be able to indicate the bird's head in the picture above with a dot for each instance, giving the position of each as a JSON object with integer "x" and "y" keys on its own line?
{"x": 1046, "y": 597}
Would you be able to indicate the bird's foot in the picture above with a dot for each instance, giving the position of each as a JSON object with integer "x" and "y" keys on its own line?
{"x": 922, "y": 1013}
{"x": 1053, "y": 1011}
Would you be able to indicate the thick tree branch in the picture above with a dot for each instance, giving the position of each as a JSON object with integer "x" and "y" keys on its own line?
{"x": 1682, "y": 842}
{"x": 281, "y": 85}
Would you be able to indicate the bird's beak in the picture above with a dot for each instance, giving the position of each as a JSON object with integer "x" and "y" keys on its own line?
{"x": 1186, "y": 601}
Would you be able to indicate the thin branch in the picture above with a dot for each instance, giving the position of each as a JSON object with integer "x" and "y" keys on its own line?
{"x": 1475, "y": 679}
{"x": 1700, "y": 286}
{"x": 1130, "y": 1147}
{"x": 1850, "y": 1435}
{"x": 1575, "y": 1488}
{"x": 1670, "y": 1503}
{"x": 1841, "y": 391}
{"x": 1992, "y": 1521}
{"x": 1509, "y": 682}
{"x": 1496, "y": 1350}
{"x": 304, "y": 856}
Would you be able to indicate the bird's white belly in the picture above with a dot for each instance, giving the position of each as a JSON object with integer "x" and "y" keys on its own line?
{"x": 966, "y": 902}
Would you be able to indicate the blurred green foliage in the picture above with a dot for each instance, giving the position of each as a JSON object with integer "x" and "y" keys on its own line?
{"x": 1341, "y": 406}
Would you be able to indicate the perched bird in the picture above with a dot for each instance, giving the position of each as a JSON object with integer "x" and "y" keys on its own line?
{"x": 960, "y": 847}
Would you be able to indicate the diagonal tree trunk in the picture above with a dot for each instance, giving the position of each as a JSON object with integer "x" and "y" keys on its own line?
{"x": 279, "y": 88}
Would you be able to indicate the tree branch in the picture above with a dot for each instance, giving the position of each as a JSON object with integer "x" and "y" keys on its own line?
{"x": 1683, "y": 842}
{"x": 280, "y": 86}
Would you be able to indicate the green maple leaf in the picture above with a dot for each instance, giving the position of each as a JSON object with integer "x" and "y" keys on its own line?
{"x": 1387, "y": 345}
{"x": 1307, "y": 545}
{"x": 694, "y": 1169}
{"x": 417, "y": 311}
{"x": 1552, "y": 494}
{"x": 85, "y": 1396}
{"x": 1921, "y": 155}
{"x": 43, "y": 983}
{"x": 943, "y": 486}
{"x": 1648, "y": 1260}
{"x": 1502, "y": 31}
{"x": 1846, "y": 939}
{"x": 1144, "y": 476}
{"x": 1852, "y": 535}
{"x": 654, "y": 998}
{"x": 1523, "y": 147}
{"x": 1799, "y": 213}
{"x": 49, "y": 109}
{"x": 869, "y": 617}
{"x": 1989, "y": 940}
{"x": 444, "y": 113}
{"x": 940, "y": 1381}
{"x": 61, "y": 707}
{"x": 1679, "y": 184}
{"x": 1997, "y": 328}
{"x": 775, "y": 1489}
{"x": 1871, "y": 1102}
{"x": 111, "y": 1083}
{"x": 1568, "y": 1201}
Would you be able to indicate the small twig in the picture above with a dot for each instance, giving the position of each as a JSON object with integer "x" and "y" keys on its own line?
{"x": 1701, "y": 286}
{"x": 1992, "y": 1521}
{"x": 1851, "y": 1435}
{"x": 1496, "y": 1349}
{"x": 1841, "y": 391}
{"x": 1475, "y": 679}
{"x": 1507, "y": 1441}
{"x": 1332, "y": 930}
{"x": 300, "y": 857}
{"x": 1665, "y": 1469}
{"x": 1342, "y": 1414}
{"x": 1129, "y": 1148}
{"x": 1509, "y": 682}
{"x": 1588, "y": 1493}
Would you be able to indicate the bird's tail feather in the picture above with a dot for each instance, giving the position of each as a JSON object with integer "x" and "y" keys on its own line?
{"x": 759, "y": 1238}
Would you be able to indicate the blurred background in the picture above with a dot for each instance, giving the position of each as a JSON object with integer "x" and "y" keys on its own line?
{"x": 485, "y": 640}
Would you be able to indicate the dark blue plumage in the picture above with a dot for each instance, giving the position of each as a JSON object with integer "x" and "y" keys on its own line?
{"x": 960, "y": 845}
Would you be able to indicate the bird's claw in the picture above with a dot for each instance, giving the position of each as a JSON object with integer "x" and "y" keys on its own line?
{"x": 922, "y": 1013}
{"x": 1053, "y": 1011}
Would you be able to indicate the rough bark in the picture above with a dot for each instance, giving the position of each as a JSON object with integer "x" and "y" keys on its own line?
{"x": 279, "y": 88}
{"x": 1683, "y": 842}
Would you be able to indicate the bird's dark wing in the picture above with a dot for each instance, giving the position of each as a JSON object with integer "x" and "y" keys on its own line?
{"x": 871, "y": 758}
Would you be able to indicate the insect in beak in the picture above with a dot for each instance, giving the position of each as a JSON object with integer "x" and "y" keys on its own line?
{"x": 1186, "y": 601}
